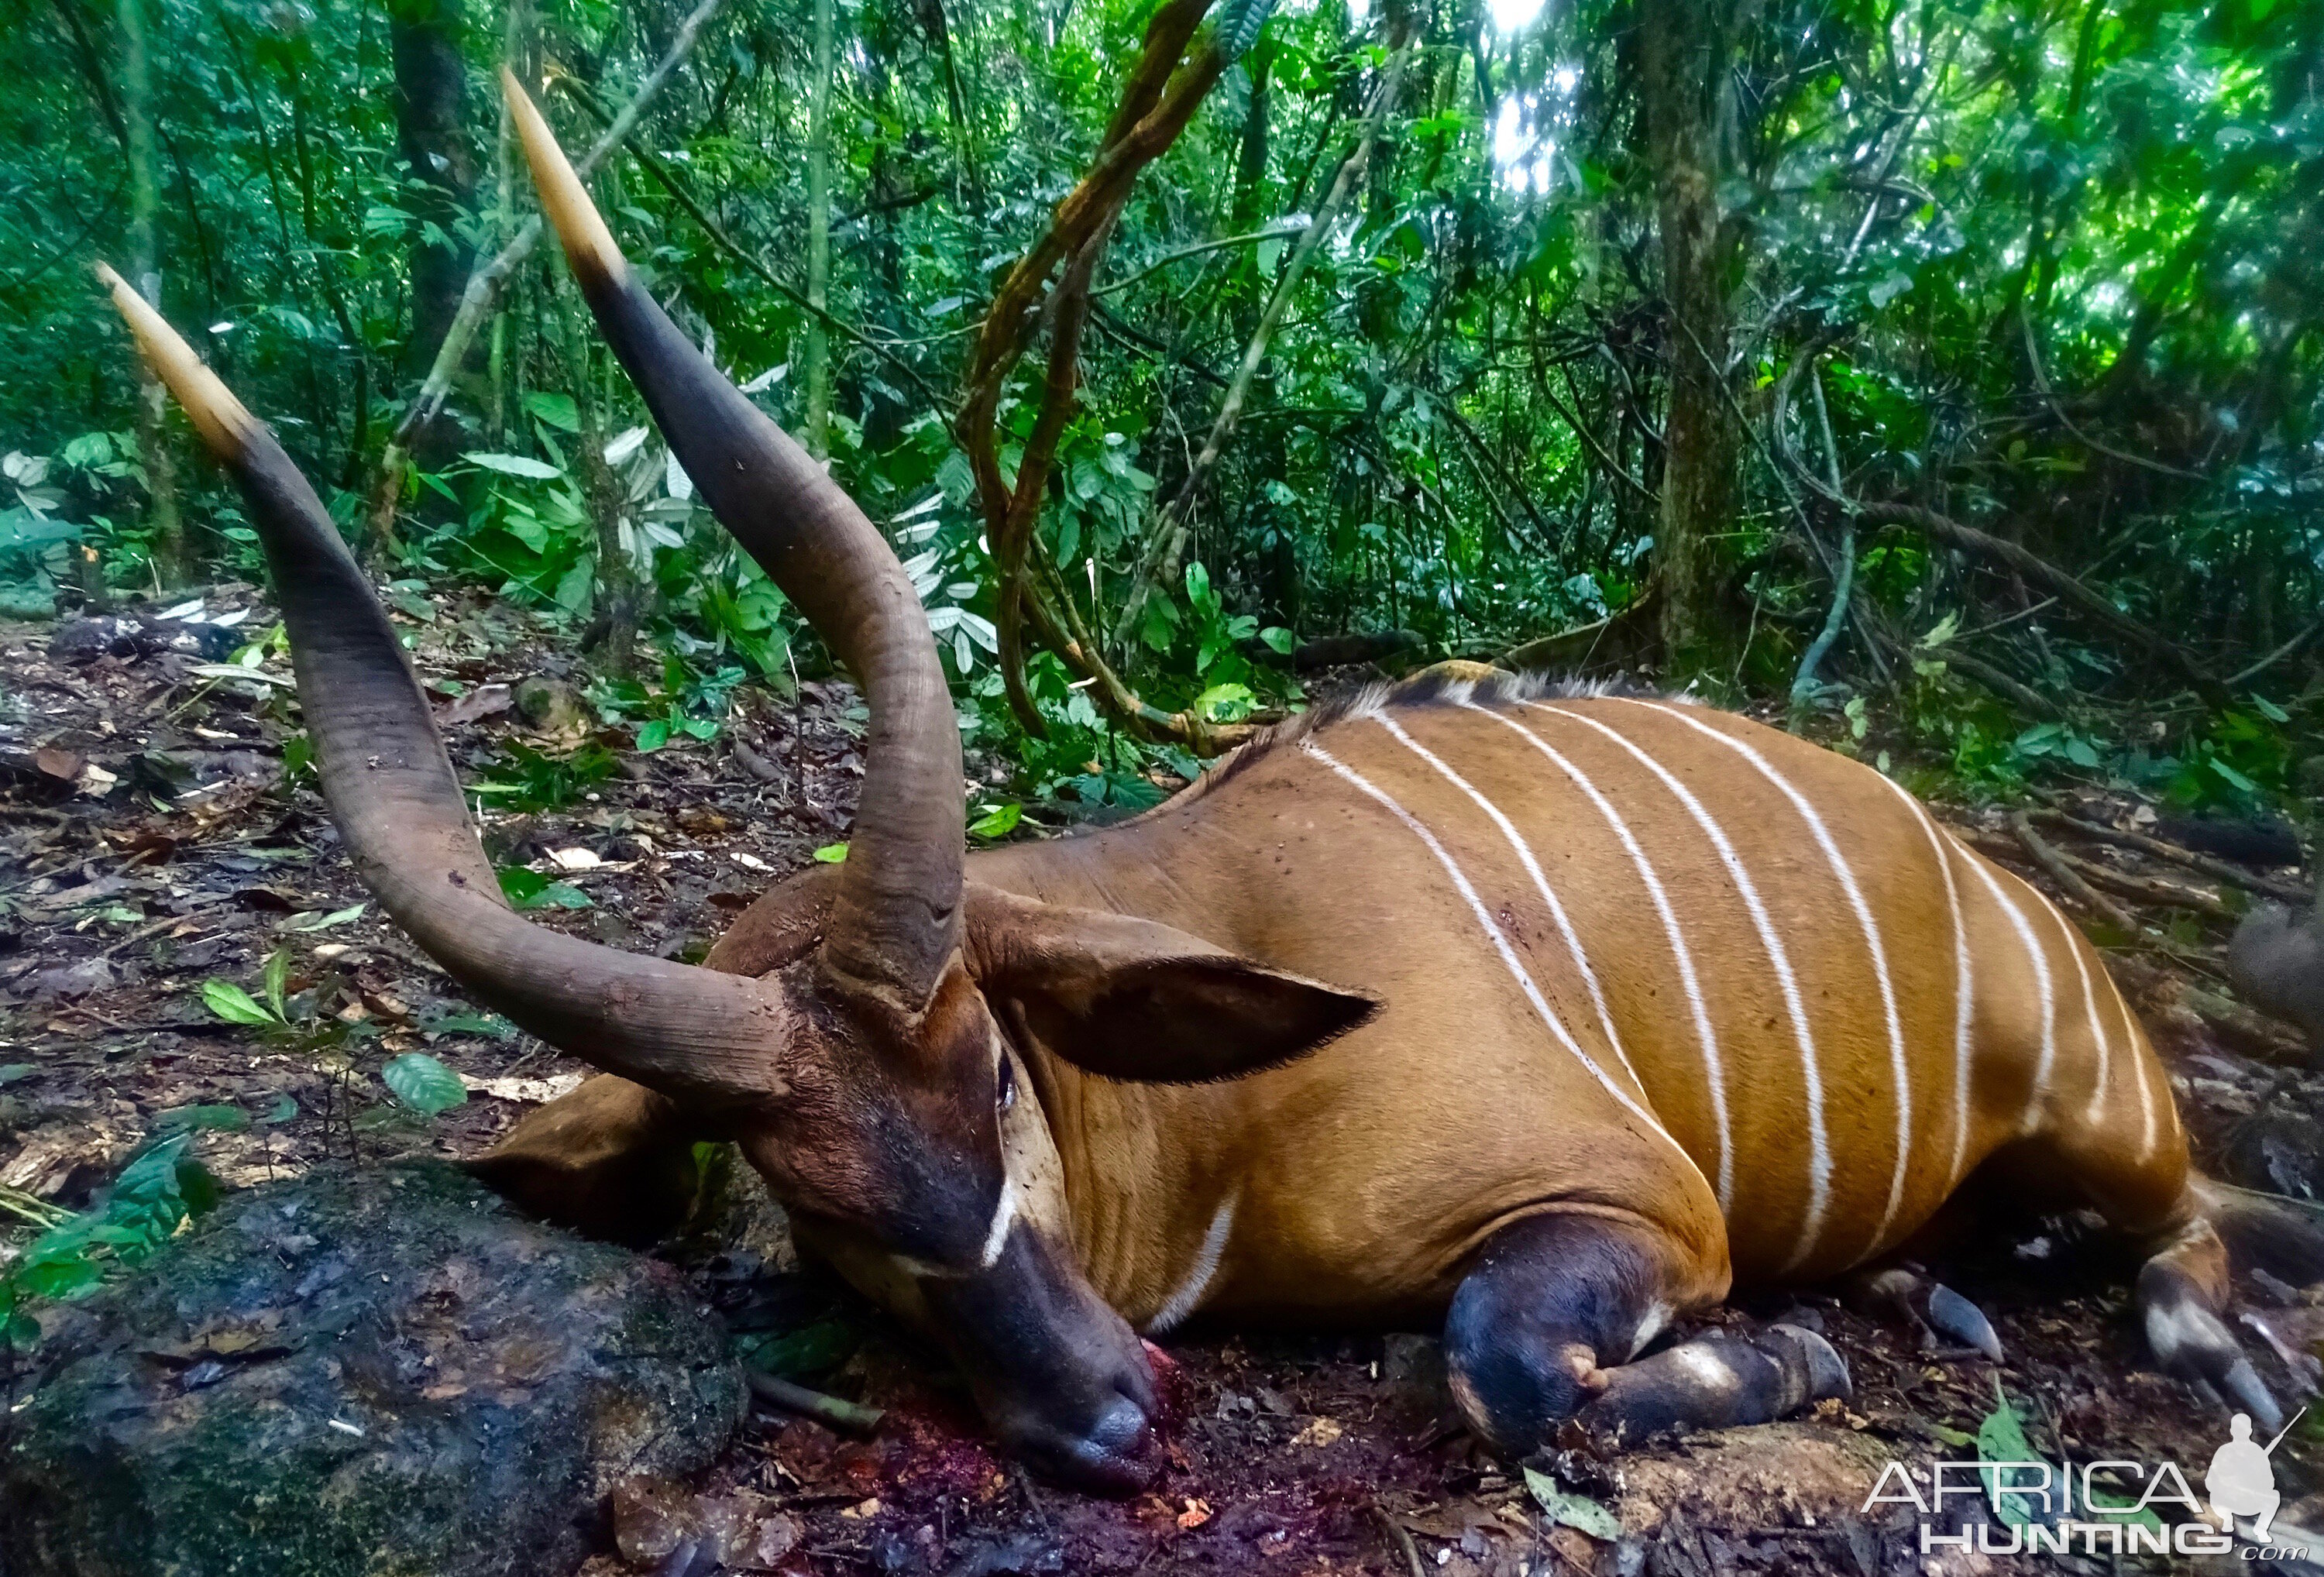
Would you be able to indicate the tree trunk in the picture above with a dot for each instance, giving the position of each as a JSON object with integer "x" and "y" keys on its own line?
{"x": 819, "y": 237}
{"x": 1684, "y": 76}
{"x": 431, "y": 89}
{"x": 172, "y": 560}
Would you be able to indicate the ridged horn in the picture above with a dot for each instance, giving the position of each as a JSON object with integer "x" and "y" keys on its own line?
{"x": 895, "y": 921}
{"x": 690, "y": 1032}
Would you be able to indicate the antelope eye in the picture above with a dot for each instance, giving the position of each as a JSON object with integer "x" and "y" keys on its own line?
{"x": 1005, "y": 1089}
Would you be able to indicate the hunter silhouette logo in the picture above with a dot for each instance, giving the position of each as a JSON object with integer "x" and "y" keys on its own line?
{"x": 2241, "y": 1478}
{"x": 2107, "y": 1506}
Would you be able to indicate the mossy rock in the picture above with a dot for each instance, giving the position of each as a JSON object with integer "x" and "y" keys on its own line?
{"x": 379, "y": 1370}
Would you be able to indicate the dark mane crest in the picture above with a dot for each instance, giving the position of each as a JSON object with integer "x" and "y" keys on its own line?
{"x": 1444, "y": 684}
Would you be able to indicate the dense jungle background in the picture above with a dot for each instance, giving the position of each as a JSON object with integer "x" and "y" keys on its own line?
{"x": 1939, "y": 378}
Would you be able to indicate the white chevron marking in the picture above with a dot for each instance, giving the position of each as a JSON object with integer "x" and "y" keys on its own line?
{"x": 1180, "y": 1305}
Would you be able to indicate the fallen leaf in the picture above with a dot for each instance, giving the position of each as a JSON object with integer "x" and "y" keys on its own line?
{"x": 1197, "y": 1513}
{"x": 62, "y": 764}
{"x": 484, "y": 701}
{"x": 1319, "y": 1434}
{"x": 95, "y": 781}
{"x": 530, "y": 1091}
{"x": 1575, "y": 1511}
{"x": 575, "y": 859}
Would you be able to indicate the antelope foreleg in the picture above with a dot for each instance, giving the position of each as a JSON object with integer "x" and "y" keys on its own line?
{"x": 1544, "y": 1327}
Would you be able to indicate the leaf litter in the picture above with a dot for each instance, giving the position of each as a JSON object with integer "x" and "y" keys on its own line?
{"x": 187, "y": 960}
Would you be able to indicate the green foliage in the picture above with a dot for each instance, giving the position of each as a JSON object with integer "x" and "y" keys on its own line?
{"x": 155, "y": 1194}
{"x": 2054, "y": 264}
{"x": 530, "y": 890}
{"x": 532, "y": 781}
{"x": 423, "y": 1084}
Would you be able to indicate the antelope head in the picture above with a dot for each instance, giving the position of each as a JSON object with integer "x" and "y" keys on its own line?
{"x": 848, "y": 1045}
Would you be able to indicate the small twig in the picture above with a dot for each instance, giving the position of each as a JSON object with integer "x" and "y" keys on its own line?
{"x": 757, "y": 765}
{"x": 2236, "y": 680}
{"x": 32, "y": 1208}
{"x": 849, "y": 1417}
{"x": 1411, "y": 1551}
{"x": 2067, "y": 877}
{"x": 1033, "y": 1499}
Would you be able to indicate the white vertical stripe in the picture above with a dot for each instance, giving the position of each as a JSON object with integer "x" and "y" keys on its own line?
{"x": 1493, "y": 932}
{"x": 1714, "y": 1071}
{"x": 1557, "y": 914}
{"x": 2090, "y": 1010}
{"x": 1900, "y": 1073}
{"x": 1188, "y": 1296}
{"x": 1819, "y": 1145}
{"x": 2141, "y": 1057}
{"x": 1964, "y": 981}
{"x": 2041, "y": 979}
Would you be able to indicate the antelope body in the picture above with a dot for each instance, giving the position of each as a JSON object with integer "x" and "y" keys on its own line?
{"x": 1551, "y": 1012}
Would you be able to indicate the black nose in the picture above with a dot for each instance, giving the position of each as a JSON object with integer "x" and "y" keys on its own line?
{"x": 1116, "y": 1455}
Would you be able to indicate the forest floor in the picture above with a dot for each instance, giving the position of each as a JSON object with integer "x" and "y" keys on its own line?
{"x": 147, "y": 846}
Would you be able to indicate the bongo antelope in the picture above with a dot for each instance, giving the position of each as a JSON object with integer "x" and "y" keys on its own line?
{"x": 1548, "y": 1013}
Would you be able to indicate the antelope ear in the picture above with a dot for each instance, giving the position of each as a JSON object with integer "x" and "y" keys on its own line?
{"x": 1131, "y": 999}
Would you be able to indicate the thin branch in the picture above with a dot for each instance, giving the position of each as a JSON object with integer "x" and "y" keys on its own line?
{"x": 2067, "y": 877}
{"x": 2034, "y": 567}
{"x": 2216, "y": 869}
{"x": 1271, "y": 232}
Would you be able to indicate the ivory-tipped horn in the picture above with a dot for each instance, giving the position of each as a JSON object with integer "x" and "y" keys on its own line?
{"x": 690, "y": 1032}
{"x": 895, "y": 921}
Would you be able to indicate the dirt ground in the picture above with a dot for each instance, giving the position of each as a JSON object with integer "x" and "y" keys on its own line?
{"x": 148, "y": 843}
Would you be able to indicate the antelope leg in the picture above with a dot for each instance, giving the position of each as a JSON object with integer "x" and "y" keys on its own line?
{"x": 2182, "y": 1291}
{"x": 1549, "y": 1322}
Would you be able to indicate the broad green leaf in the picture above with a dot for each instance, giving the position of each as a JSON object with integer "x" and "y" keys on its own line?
{"x": 2001, "y": 1438}
{"x": 514, "y": 465}
{"x": 653, "y": 736}
{"x": 276, "y": 979}
{"x": 559, "y": 412}
{"x": 423, "y": 1083}
{"x": 1224, "y": 703}
{"x": 223, "y": 1118}
{"x": 832, "y": 854}
{"x": 997, "y": 821}
{"x": 1575, "y": 1511}
{"x": 529, "y": 889}
{"x": 230, "y": 1002}
{"x": 1278, "y": 640}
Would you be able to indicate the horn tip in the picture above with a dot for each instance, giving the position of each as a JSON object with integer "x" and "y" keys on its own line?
{"x": 565, "y": 202}
{"x": 225, "y": 426}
